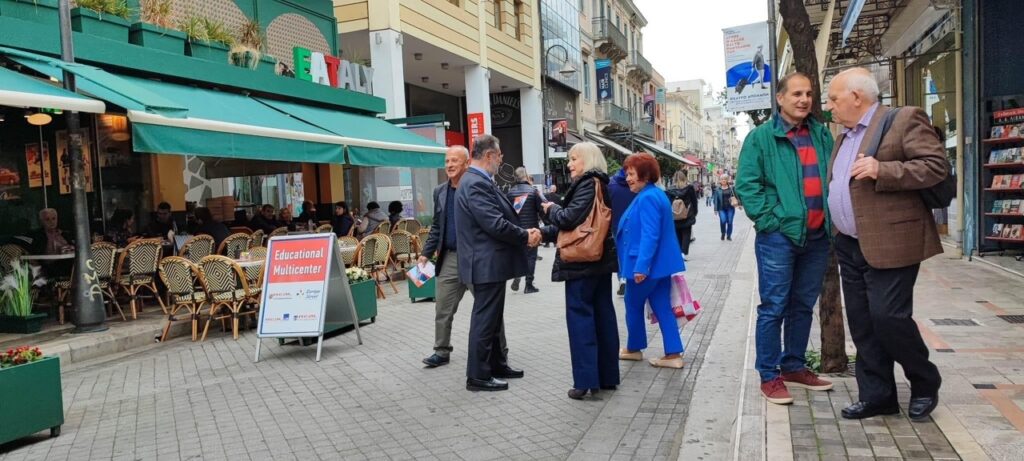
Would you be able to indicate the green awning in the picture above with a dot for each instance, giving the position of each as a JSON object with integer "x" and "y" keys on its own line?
{"x": 655, "y": 149}
{"x": 19, "y": 90}
{"x": 370, "y": 141}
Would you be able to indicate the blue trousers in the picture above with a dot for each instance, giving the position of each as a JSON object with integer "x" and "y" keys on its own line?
{"x": 593, "y": 332}
{"x": 659, "y": 293}
{"x": 725, "y": 220}
{"x": 789, "y": 279}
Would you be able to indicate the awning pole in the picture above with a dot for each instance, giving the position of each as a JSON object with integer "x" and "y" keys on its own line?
{"x": 42, "y": 166}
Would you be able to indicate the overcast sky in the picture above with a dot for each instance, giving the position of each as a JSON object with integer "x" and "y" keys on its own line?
{"x": 683, "y": 38}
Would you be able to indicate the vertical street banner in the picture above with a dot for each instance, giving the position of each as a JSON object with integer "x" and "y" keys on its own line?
{"x": 475, "y": 125}
{"x": 659, "y": 96}
{"x": 603, "y": 69}
{"x": 748, "y": 73}
{"x": 649, "y": 107}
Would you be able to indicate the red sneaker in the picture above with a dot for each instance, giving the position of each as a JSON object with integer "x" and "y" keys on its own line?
{"x": 775, "y": 392}
{"x": 807, "y": 379}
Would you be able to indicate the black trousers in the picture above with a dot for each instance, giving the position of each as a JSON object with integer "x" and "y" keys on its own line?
{"x": 486, "y": 326}
{"x": 683, "y": 233}
{"x": 531, "y": 265}
{"x": 879, "y": 309}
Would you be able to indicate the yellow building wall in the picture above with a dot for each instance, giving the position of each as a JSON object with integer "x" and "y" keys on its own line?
{"x": 168, "y": 180}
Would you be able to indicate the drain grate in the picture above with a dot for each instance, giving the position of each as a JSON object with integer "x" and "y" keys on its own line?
{"x": 955, "y": 322}
{"x": 984, "y": 386}
{"x": 1012, "y": 318}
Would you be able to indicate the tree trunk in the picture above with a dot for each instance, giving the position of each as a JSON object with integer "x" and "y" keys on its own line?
{"x": 833, "y": 336}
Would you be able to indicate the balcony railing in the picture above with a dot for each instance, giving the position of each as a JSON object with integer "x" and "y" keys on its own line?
{"x": 638, "y": 63}
{"x": 609, "y": 113}
{"x": 645, "y": 128}
{"x": 610, "y": 39}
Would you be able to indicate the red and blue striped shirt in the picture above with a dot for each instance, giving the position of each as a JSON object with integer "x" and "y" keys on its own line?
{"x": 800, "y": 136}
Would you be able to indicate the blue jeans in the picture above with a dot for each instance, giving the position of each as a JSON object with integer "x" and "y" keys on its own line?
{"x": 659, "y": 293}
{"x": 790, "y": 279}
{"x": 593, "y": 332}
{"x": 725, "y": 220}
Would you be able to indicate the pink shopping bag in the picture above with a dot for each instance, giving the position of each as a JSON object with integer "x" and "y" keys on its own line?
{"x": 684, "y": 306}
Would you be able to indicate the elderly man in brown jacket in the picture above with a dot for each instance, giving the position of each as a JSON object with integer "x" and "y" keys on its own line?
{"x": 883, "y": 231}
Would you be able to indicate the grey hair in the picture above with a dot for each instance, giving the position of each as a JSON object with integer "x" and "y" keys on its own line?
{"x": 46, "y": 211}
{"x": 460, "y": 149}
{"x": 484, "y": 143}
{"x": 521, "y": 174}
{"x": 859, "y": 80}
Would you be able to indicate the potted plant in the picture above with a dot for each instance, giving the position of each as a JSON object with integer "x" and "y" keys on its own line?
{"x": 102, "y": 18}
{"x": 41, "y": 11}
{"x": 364, "y": 293}
{"x": 155, "y": 29}
{"x": 16, "y": 297}
{"x": 208, "y": 39}
{"x": 248, "y": 50}
{"x": 422, "y": 292}
{"x": 30, "y": 384}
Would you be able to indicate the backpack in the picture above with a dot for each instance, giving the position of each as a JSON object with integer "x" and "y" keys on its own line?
{"x": 937, "y": 196}
{"x": 680, "y": 210}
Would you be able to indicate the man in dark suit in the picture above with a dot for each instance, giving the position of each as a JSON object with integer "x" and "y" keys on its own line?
{"x": 442, "y": 241}
{"x": 883, "y": 231}
{"x": 491, "y": 250}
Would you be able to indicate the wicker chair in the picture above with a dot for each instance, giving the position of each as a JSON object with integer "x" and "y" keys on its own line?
{"x": 241, "y": 230}
{"x": 197, "y": 247}
{"x": 351, "y": 231}
{"x": 277, "y": 232}
{"x": 8, "y": 254}
{"x": 402, "y": 249}
{"x": 254, "y": 274}
{"x": 373, "y": 256}
{"x": 226, "y": 288}
{"x": 137, "y": 269}
{"x": 257, "y": 238}
{"x": 324, "y": 228}
{"x": 103, "y": 257}
{"x": 412, "y": 226}
{"x": 234, "y": 245}
{"x": 383, "y": 228}
{"x": 348, "y": 257}
{"x": 179, "y": 276}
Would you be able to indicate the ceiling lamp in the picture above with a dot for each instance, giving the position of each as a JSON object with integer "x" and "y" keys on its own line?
{"x": 39, "y": 119}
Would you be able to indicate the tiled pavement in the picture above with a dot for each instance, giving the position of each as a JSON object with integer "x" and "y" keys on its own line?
{"x": 184, "y": 400}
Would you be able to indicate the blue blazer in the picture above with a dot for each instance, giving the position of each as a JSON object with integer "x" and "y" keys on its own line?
{"x": 646, "y": 237}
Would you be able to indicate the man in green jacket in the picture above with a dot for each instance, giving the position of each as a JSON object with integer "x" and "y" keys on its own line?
{"x": 780, "y": 181}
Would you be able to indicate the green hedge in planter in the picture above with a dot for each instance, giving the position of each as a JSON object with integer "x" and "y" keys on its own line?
{"x": 41, "y": 11}
{"x": 364, "y": 294}
{"x": 209, "y": 51}
{"x": 424, "y": 292}
{"x": 157, "y": 38}
{"x": 101, "y": 25}
{"x": 31, "y": 399}
{"x": 22, "y": 325}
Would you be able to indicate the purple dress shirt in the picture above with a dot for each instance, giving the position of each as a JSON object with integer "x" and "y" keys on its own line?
{"x": 840, "y": 203}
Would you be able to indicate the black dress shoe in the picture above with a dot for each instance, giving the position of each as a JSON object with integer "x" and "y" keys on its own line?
{"x": 577, "y": 394}
{"x": 515, "y": 285}
{"x": 492, "y": 384}
{"x": 435, "y": 361}
{"x": 508, "y": 373}
{"x": 861, "y": 410}
{"x": 530, "y": 289}
{"x": 921, "y": 407}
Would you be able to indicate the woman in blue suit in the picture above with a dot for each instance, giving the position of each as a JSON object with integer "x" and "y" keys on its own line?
{"x": 648, "y": 256}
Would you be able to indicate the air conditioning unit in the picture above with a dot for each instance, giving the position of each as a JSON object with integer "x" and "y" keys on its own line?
{"x": 945, "y": 4}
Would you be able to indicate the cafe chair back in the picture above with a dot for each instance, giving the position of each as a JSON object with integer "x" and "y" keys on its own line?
{"x": 103, "y": 256}
{"x": 373, "y": 256}
{"x": 226, "y": 289}
{"x": 180, "y": 277}
{"x": 279, "y": 231}
{"x": 197, "y": 247}
{"x": 137, "y": 270}
{"x": 234, "y": 245}
{"x": 348, "y": 257}
{"x": 324, "y": 228}
{"x": 254, "y": 274}
{"x": 383, "y": 228}
{"x": 9, "y": 254}
{"x": 258, "y": 236}
{"x": 402, "y": 249}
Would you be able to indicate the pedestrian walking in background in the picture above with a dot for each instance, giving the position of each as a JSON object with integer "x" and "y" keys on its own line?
{"x": 649, "y": 254}
{"x": 526, "y": 201}
{"x": 553, "y": 195}
{"x": 725, "y": 203}
{"x": 779, "y": 180}
{"x": 709, "y": 199}
{"x": 683, "y": 198}
{"x": 589, "y": 311}
{"x": 885, "y": 231}
{"x": 621, "y": 198}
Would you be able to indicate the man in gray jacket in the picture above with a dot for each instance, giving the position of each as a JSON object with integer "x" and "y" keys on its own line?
{"x": 526, "y": 201}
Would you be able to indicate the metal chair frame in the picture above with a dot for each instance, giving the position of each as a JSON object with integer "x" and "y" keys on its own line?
{"x": 142, "y": 271}
{"x": 182, "y": 292}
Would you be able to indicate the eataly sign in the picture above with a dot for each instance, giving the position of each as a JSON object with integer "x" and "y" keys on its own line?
{"x": 328, "y": 70}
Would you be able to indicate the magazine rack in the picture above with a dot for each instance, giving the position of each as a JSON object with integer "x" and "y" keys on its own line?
{"x": 1002, "y": 178}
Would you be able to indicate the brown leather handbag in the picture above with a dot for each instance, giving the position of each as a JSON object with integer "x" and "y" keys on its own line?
{"x": 585, "y": 243}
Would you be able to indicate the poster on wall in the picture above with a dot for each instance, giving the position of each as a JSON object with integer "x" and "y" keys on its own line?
{"x": 748, "y": 76}
{"x": 603, "y": 68}
{"x": 10, "y": 180}
{"x": 38, "y": 167}
{"x": 475, "y": 122}
{"x": 559, "y": 131}
{"x": 64, "y": 161}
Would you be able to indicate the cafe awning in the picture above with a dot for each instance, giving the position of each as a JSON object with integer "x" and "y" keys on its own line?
{"x": 658, "y": 150}
{"x": 370, "y": 141}
{"x": 20, "y": 90}
{"x": 607, "y": 142}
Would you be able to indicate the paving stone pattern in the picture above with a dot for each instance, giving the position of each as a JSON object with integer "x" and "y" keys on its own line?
{"x": 184, "y": 400}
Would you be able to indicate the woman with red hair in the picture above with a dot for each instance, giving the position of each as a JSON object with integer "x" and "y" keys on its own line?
{"x": 648, "y": 257}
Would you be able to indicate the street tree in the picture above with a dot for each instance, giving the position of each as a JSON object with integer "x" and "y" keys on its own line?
{"x": 833, "y": 336}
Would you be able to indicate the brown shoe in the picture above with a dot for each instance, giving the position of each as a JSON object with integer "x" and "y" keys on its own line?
{"x": 806, "y": 379}
{"x": 666, "y": 363}
{"x": 625, "y": 354}
{"x": 775, "y": 392}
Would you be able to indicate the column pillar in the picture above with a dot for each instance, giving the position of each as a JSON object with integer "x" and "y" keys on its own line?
{"x": 388, "y": 70}
{"x": 532, "y": 113}
{"x": 478, "y": 93}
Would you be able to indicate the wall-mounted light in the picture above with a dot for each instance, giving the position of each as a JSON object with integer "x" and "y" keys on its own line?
{"x": 417, "y": 56}
{"x": 39, "y": 119}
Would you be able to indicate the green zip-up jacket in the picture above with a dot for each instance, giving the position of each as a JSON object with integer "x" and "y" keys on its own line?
{"x": 770, "y": 182}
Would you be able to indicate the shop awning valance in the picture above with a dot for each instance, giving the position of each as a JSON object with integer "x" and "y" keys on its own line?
{"x": 19, "y": 90}
{"x": 370, "y": 141}
{"x": 655, "y": 149}
{"x": 607, "y": 142}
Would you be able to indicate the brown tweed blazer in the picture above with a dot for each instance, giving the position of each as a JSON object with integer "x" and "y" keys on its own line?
{"x": 894, "y": 226}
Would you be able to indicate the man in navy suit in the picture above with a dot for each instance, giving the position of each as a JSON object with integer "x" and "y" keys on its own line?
{"x": 491, "y": 250}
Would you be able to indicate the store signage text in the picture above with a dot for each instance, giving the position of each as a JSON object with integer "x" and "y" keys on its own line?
{"x": 331, "y": 71}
